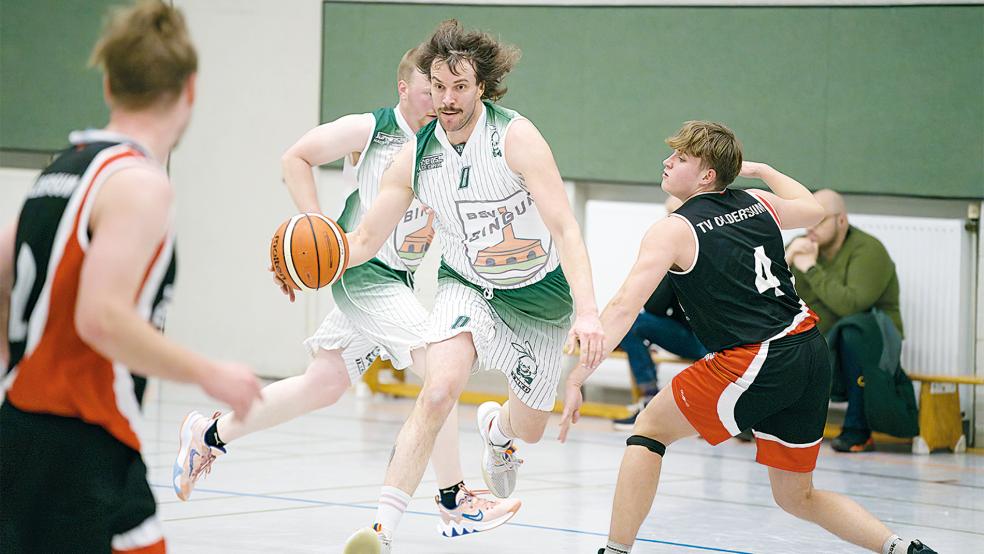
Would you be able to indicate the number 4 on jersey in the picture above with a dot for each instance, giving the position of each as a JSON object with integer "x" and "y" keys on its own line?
{"x": 764, "y": 279}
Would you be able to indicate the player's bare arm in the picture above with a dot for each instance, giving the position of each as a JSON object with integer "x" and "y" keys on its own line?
{"x": 529, "y": 155}
{"x": 129, "y": 221}
{"x": 324, "y": 144}
{"x": 347, "y": 135}
{"x": 795, "y": 204}
{"x": 8, "y": 235}
{"x": 666, "y": 244}
{"x": 395, "y": 196}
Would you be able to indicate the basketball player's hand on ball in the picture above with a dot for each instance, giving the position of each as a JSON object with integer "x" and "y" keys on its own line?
{"x": 588, "y": 335}
{"x": 234, "y": 384}
{"x": 572, "y": 404}
{"x": 280, "y": 283}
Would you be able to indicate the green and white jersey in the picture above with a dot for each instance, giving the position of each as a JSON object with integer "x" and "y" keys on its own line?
{"x": 492, "y": 233}
{"x": 412, "y": 237}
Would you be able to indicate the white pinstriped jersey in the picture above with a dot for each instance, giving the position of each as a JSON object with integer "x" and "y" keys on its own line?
{"x": 493, "y": 234}
{"x": 413, "y": 235}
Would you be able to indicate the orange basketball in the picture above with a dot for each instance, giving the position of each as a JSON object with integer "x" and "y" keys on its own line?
{"x": 309, "y": 251}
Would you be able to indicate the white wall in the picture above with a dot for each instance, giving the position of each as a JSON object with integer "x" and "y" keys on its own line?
{"x": 258, "y": 91}
{"x": 14, "y": 184}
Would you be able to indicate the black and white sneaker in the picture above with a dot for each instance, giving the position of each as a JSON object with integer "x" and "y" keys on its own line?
{"x": 916, "y": 547}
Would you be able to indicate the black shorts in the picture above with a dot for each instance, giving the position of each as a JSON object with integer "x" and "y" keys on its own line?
{"x": 778, "y": 389}
{"x": 69, "y": 486}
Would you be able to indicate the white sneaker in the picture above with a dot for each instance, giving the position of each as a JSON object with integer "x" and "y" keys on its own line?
{"x": 474, "y": 513}
{"x": 499, "y": 463}
{"x": 369, "y": 540}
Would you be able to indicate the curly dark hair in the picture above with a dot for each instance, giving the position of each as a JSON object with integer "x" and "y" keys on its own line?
{"x": 453, "y": 45}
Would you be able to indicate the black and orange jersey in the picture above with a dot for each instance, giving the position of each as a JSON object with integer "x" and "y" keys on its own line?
{"x": 739, "y": 289}
{"x": 52, "y": 370}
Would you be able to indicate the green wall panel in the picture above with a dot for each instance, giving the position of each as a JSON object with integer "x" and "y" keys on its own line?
{"x": 885, "y": 100}
{"x": 46, "y": 88}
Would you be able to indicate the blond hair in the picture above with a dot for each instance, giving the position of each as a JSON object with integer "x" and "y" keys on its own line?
{"x": 408, "y": 64}
{"x": 491, "y": 59}
{"x": 715, "y": 145}
{"x": 146, "y": 53}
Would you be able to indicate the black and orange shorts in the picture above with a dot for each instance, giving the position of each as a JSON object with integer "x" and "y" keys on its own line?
{"x": 779, "y": 389}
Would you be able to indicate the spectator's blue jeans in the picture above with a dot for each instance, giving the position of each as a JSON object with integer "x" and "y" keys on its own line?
{"x": 854, "y": 418}
{"x": 665, "y": 332}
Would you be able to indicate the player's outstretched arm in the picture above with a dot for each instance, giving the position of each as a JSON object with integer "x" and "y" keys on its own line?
{"x": 8, "y": 235}
{"x": 666, "y": 243}
{"x": 128, "y": 224}
{"x": 529, "y": 155}
{"x": 323, "y": 144}
{"x": 795, "y": 205}
{"x": 395, "y": 196}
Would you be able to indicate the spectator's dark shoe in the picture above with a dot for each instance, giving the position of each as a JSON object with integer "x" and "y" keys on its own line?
{"x": 745, "y": 436}
{"x": 916, "y": 547}
{"x": 626, "y": 423}
{"x": 853, "y": 441}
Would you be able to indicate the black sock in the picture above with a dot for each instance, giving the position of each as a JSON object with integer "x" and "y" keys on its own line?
{"x": 449, "y": 496}
{"x": 212, "y": 436}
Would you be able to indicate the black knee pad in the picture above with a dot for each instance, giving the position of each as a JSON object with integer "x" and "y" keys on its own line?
{"x": 654, "y": 446}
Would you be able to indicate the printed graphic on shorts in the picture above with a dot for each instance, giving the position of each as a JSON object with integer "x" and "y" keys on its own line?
{"x": 505, "y": 240}
{"x": 526, "y": 368}
{"x": 364, "y": 362}
{"x": 414, "y": 234}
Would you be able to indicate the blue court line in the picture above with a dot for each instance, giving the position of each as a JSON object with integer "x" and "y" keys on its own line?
{"x": 432, "y": 514}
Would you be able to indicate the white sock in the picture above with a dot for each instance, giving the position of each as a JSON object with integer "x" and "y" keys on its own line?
{"x": 496, "y": 436}
{"x": 617, "y": 548}
{"x": 392, "y": 503}
{"x": 894, "y": 545}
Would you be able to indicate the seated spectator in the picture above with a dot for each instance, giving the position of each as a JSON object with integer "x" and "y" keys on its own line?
{"x": 661, "y": 323}
{"x": 840, "y": 271}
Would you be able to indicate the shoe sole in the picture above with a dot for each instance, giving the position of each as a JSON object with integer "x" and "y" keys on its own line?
{"x": 452, "y": 529}
{"x": 184, "y": 443}
{"x": 364, "y": 541}
{"x": 623, "y": 426}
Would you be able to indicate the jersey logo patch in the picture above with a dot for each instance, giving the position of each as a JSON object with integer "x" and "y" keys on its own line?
{"x": 460, "y": 322}
{"x": 463, "y": 181}
{"x": 526, "y": 369}
{"x": 494, "y": 139}
{"x": 384, "y": 139}
{"x": 505, "y": 240}
{"x": 433, "y": 161}
{"x": 414, "y": 234}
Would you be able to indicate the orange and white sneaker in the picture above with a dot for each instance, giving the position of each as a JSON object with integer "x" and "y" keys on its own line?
{"x": 194, "y": 456}
{"x": 369, "y": 540}
{"x": 474, "y": 514}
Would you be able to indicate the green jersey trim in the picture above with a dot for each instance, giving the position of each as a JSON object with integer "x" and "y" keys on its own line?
{"x": 424, "y": 136}
{"x": 347, "y": 221}
{"x": 373, "y": 272}
{"x": 547, "y": 300}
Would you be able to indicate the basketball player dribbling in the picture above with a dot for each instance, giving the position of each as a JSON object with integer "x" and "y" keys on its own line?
{"x": 376, "y": 313}
{"x": 85, "y": 275}
{"x": 503, "y": 300}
